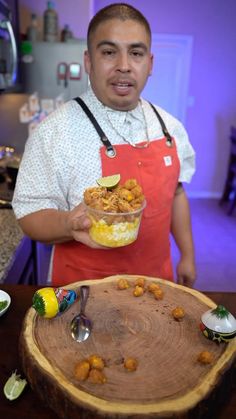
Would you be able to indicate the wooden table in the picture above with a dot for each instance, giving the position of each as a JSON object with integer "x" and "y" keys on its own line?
{"x": 28, "y": 403}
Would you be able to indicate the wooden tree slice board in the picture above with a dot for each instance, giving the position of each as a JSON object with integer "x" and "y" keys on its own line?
{"x": 169, "y": 380}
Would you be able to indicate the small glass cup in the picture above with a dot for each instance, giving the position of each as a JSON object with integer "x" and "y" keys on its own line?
{"x": 112, "y": 229}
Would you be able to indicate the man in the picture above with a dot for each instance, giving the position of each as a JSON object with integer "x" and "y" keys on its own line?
{"x": 69, "y": 151}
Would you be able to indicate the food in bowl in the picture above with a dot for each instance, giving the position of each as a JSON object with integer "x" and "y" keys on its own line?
{"x": 115, "y": 213}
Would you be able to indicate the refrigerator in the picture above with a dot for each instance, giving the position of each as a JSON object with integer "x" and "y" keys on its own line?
{"x": 54, "y": 69}
{"x": 55, "y": 72}
{"x": 9, "y": 43}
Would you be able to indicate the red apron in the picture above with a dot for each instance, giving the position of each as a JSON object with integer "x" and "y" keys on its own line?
{"x": 156, "y": 169}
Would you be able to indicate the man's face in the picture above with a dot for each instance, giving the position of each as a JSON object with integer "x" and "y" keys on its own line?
{"x": 119, "y": 62}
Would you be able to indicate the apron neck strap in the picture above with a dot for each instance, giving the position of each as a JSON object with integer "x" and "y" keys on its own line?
{"x": 110, "y": 151}
{"x": 163, "y": 126}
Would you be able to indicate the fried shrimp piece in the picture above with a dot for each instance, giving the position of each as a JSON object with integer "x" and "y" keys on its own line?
{"x": 130, "y": 184}
{"x": 124, "y": 206}
{"x": 158, "y": 294}
{"x": 135, "y": 204}
{"x": 110, "y": 204}
{"x": 122, "y": 284}
{"x": 87, "y": 196}
{"x": 92, "y": 194}
{"x": 137, "y": 191}
{"x": 153, "y": 287}
{"x": 178, "y": 313}
{"x": 82, "y": 370}
{"x": 96, "y": 362}
{"x": 205, "y": 357}
{"x": 140, "y": 282}
{"x": 131, "y": 364}
{"x": 138, "y": 291}
{"x": 125, "y": 194}
{"x": 96, "y": 377}
{"x": 138, "y": 201}
{"x": 97, "y": 204}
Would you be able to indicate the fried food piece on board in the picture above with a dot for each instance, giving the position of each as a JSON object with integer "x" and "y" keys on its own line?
{"x": 96, "y": 362}
{"x": 131, "y": 364}
{"x": 158, "y": 294}
{"x": 140, "y": 281}
{"x": 138, "y": 291}
{"x": 82, "y": 370}
{"x": 153, "y": 287}
{"x": 122, "y": 284}
{"x": 205, "y": 357}
{"x": 96, "y": 377}
{"x": 178, "y": 313}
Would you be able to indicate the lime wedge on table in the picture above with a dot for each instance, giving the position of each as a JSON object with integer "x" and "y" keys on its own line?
{"x": 109, "y": 182}
{"x": 14, "y": 386}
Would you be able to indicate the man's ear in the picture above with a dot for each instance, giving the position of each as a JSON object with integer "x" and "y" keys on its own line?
{"x": 151, "y": 64}
{"x": 87, "y": 62}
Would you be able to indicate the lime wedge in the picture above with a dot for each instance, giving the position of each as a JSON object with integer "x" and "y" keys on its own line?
{"x": 109, "y": 182}
{"x": 14, "y": 386}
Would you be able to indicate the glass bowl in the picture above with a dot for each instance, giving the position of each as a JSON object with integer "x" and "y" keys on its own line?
{"x": 4, "y": 296}
{"x": 113, "y": 229}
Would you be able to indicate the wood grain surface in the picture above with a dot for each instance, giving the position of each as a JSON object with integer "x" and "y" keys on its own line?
{"x": 168, "y": 381}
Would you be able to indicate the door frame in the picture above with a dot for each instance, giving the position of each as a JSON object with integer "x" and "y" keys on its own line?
{"x": 177, "y": 51}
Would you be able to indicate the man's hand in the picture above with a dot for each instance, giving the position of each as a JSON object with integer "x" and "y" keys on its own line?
{"x": 78, "y": 224}
{"x": 186, "y": 272}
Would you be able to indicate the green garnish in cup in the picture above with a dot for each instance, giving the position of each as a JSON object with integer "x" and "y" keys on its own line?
{"x": 3, "y": 304}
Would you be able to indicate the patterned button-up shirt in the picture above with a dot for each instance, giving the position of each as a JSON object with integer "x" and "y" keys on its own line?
{"x": 62, "y": 156}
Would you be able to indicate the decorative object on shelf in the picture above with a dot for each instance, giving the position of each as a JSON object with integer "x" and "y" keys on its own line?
{"x": 32, "y": 30}
{"x": 218, "y": 324}
{"x": 50, "y": 302}
{"x": 35, "y": 109}
{"x": 66, "y": 34}
{"x": 50, "y": 23}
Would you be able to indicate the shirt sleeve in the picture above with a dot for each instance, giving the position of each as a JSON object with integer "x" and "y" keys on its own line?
{"x": 185, "y": 152}
{"x": 39, "y": 184}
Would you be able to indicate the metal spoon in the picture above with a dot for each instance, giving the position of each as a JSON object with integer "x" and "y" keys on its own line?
{"x": 80, "y": 325}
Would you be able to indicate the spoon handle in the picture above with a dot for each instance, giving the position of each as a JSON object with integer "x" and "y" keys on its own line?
{"x": 84, "y": 293}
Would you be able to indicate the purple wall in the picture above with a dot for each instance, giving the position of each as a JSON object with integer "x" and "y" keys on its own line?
{"x": 73, "y": 12}
{"x": 212, "y": 78}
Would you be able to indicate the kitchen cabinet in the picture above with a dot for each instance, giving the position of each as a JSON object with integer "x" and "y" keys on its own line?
{"x": 22, "y": 269}
{"x": 22, "y": 260}
{"x": 43, "y": 257}
{"x": 30, "y": 263}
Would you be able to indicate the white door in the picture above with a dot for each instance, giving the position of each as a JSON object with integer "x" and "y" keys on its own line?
{"x": 168, "y": 84}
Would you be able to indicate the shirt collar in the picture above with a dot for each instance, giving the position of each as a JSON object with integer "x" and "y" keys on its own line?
{"x": 116, "y": 117}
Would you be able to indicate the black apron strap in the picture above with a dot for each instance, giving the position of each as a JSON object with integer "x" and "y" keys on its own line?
{"x": 110, "y": 151}
{"x": 169, "y": 140}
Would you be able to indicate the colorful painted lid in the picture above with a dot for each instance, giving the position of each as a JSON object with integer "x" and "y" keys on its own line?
{"x": 220, "y": 320}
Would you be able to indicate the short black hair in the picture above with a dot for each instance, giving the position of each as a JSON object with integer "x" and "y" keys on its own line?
{"x": 122, "y": 11}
